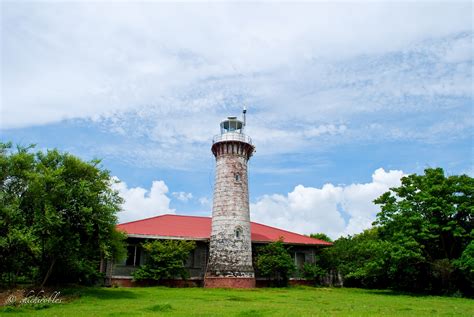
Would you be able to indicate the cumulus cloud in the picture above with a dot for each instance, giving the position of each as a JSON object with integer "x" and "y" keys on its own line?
{"x": 333, "y": 209}
{"x": 143, "y": 203}
{"x": 182, "y": 196}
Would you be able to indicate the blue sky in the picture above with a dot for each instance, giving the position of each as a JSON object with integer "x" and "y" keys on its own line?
{"x": 343, "y": 98}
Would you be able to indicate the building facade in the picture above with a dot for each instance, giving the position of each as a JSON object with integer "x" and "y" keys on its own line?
{"x": 303, "y": 249}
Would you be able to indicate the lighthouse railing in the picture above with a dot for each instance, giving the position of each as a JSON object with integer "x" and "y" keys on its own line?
{"x": 232, "y": 136}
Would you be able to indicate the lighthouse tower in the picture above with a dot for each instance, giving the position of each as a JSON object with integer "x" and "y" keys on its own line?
{"x": 230, "y": 249}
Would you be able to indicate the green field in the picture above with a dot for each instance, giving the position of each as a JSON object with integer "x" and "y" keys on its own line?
{"x": 298, "y": 301}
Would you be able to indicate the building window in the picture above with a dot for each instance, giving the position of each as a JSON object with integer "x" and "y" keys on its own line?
{"x": 299, "y": 259}
{"x": 238, "y": 233}
{"x": 133, "y": 255}
{"x": 199, "y": 257}
{"x": 189, "y": 263}
{"x": 237, "y": 177}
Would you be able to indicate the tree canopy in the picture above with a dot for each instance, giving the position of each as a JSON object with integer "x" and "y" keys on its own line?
{"x": 434, "y": 214}
{"x": 435, "y": 210}
{"x": 321, "y": 236}
{"x": 421, "y": 239}
{"x": 57, "y": 216}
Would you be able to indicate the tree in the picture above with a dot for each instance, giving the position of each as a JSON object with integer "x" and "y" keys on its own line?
{"x": 321, "y": 236}
{"x": 360, "y": 259}
{"x": 466, "y": 265}
{"x": 57, "y": 216}
{"x": 274, "y": 262}
{"x": 16, "y": 235}
{"x": 431, "y": 215}
{"x": 166, "y": 260}
{"x": 421, "y": 239}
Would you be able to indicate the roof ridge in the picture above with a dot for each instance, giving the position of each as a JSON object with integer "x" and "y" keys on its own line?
{"x": 298, "y": 234}
{"x": 208, "y": 217}
{"x": 173, "y": 215}
{"x": 139, "y": 220}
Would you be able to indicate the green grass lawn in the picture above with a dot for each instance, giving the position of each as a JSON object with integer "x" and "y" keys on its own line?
{"x": 299, "y": 301}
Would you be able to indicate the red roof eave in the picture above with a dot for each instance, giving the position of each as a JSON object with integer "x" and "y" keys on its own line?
{"x": 199, "y": 228}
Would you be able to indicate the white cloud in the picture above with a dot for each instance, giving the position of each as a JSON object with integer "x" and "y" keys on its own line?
{"x": 162, "y": 75}
{"x": 182, "y": 196}
{"x": 143, "y": 203}
{"x": 86, "y": 64}
{"x": 205, "y": 201}
{"x": 309, "y": 210}
{"x": 325, "y": 129}
{"x": 460, "y": 51}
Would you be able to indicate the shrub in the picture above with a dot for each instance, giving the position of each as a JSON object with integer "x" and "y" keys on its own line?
{"x": 274, "y": 262}
{"x": 166, "y": 260}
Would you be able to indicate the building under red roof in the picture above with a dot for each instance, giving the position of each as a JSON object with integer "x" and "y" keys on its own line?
{"x": 199, "y": 228}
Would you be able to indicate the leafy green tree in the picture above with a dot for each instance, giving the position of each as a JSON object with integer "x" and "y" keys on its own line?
{"x": 466, "y": 261}
{"x": 165, "y": 260}
{"x": 274, "y": 262}
{"x": 321, "y": 236}
{"x": 367, "y": 260}
{"x": 57, "y": 216}
{"x": 421, "y": 239}
{"x": 18, "y": 247}
{"x": 431, "y": 216}
{"x": 360, "y": 259}
{"x": 435, "y": 210}
{"x": 465, "y": 264}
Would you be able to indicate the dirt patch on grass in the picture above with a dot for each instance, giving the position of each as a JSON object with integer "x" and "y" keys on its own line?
{"x": 30, "y": 295}
{"x": 7, "y": 295}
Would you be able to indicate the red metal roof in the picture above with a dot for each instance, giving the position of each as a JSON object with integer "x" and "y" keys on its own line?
{"x": 193, "y": 227}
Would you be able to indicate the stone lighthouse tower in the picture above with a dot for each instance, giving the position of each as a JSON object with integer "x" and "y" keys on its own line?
{"x": 230, "y": 249}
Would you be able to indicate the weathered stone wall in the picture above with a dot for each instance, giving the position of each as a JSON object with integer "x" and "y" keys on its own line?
{"x": 230, "y": 243}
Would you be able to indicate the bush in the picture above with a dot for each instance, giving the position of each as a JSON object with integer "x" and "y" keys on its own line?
{"x": 274, "y": 262}
{"x": 166, "y": 260}
{"x": 312, "y": 271}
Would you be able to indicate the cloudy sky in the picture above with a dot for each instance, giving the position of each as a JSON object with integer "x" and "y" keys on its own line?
{"x": 343, "y": 98}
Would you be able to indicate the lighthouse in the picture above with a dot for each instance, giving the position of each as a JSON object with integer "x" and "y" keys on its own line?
{"x": 230, "y": 247}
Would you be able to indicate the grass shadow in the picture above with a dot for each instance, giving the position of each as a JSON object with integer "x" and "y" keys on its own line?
{"x": 160, "y": 308}
{"x": 251, "y": 313}
{"x": 239, "y": 299}
{"x": 107, "y": 293}
{"x": 398, "y": 293}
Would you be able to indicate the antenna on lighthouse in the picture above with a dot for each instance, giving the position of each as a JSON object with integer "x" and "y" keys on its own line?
{"x": 244, "y": 112}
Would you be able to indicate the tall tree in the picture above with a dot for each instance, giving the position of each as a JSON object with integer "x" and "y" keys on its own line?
{"x": 18, "y": 242}
{"x": 433, "y": 214}
{"x": 60, "y": 211}
{"x": 421, "y": 239}
{"x": 435, "y": 210}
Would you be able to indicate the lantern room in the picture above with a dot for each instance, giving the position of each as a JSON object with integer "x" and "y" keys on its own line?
{"x": 232, "y": 125}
